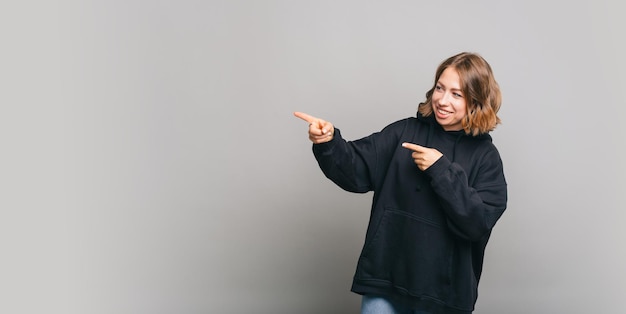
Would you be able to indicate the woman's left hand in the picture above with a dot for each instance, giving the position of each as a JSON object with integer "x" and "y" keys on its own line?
{"x": 423, "y": 157}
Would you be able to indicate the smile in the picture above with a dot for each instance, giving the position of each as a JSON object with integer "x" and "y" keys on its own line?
{"x": 443, "y": 112}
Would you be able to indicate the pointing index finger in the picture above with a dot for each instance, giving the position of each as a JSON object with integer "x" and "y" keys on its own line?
{"x": 308, "y": 118}
{"x": 413, "y": 147}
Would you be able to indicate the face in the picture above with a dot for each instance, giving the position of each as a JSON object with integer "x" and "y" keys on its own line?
{"x": 448, "y": 101}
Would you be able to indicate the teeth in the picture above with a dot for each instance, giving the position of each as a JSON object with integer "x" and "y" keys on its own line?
{"x": 443, "y": 112}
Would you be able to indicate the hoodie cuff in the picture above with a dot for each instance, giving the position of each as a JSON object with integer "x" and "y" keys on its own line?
{"x": 327, "y": 148}
{"x": 438, "y": 168}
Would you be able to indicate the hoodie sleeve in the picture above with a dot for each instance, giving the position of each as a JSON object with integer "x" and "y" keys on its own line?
{"x": 358, "y": 166}
{"x": 472, "y": 211}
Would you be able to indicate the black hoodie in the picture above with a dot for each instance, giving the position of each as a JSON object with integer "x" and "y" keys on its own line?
{"x": 428, "y": 230}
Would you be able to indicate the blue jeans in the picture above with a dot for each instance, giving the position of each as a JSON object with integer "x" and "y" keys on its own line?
{"x": 380, "y": 305}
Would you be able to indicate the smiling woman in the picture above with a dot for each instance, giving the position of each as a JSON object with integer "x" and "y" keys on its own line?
{"x": 151, "y": 163}
{"x": 465, "y": 95}
{"x": 439, "y": 189}
{"x": 448, "y": 102}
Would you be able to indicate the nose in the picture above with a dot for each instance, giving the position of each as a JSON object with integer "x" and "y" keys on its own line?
{"x": 444, "y": 98}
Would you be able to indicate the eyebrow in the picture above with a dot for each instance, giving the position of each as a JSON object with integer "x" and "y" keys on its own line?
{"x": 454, "y": 89}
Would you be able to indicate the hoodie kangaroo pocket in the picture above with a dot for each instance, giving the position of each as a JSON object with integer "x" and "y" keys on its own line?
{"x": 410, "y": 253}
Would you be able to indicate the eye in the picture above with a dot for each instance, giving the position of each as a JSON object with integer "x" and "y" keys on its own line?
{"x": 457, "y": 95}
{"x": 438, "y": 87}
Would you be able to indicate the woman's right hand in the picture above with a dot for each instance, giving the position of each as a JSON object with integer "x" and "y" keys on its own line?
{"x": 320, "y": 131}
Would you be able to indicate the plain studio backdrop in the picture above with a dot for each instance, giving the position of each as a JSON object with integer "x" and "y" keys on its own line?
{"x": 151, "y": 162}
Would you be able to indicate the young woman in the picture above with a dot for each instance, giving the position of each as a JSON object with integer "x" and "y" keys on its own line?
{"x": 439, "y": 189}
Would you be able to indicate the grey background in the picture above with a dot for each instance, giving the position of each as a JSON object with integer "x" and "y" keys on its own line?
{"x": 151, "y": 162}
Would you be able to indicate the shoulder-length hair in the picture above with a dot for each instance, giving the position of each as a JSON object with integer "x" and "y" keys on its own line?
{"x": 480, "y": 89}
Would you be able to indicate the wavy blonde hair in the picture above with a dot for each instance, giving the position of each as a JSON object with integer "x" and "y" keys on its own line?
{"x": 479, "y": 88}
